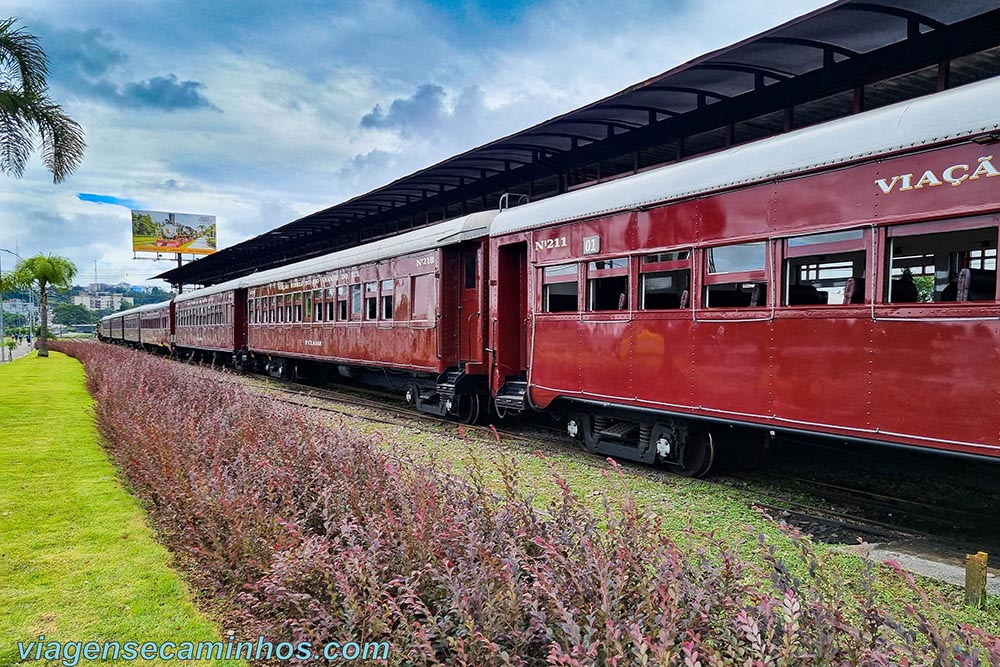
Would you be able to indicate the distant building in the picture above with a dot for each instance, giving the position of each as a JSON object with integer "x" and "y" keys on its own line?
{"x": 102, "y": 301}
{"x": 20, "y": 307}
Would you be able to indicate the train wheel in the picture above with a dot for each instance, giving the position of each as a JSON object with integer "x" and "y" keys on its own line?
{"x": 468, "y": 408}
{"x": 699, "y": 455}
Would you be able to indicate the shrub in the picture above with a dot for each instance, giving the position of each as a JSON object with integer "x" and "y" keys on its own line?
{"x": 312, "y": 532}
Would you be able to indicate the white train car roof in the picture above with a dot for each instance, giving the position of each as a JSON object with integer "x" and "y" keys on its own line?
{"x": 964, "y": 111}
{"x": 472, "y": 226}
{"x": 138, "y": 309}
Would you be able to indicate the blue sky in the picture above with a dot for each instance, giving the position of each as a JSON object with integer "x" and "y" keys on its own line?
{"x": 261, "y": 112}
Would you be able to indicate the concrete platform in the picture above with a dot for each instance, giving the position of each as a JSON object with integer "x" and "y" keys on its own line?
{"x": 927, "y": 559}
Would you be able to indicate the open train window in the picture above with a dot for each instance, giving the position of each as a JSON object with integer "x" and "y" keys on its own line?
{"x": 371, "y": 301}
{"x": 607, "y": 284}
{"x": 342, "y": 303}
{"x": 825, "y": 269}
{"x": 942, "y": 260}
{"x": 735, "y": 276}
{"x": 387, "y": 299}
{"x": 559, "y": 289}
{"x": 297, "y": 302}
{"x": 331, "y": 304}
{"x": 307, "y": 310}
{"x": 665, "y": 280}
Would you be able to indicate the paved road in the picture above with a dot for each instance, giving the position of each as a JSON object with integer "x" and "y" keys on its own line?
{"x": 19, "y": 351}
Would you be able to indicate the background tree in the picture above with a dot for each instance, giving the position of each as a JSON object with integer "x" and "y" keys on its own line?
{"x": 71, "y": 313}
{"x": 27, "y": 111}
{"x": 44, "y": 271}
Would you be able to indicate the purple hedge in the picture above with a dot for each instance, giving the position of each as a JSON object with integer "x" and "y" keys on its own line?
{"x": 309, "y": 531}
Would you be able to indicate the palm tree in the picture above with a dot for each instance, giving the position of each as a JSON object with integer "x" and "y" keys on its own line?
{"x": 43, "y": 271}
{"x": 26, "y": 111}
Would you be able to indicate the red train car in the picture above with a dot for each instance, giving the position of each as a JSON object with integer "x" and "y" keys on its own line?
{"x": 412, "y": 304}
{"x": 130, "y": 326}
{"x": 835, "y": 281}
{"x": 210, "y": 320}
{"x": 111, "y": 328}
{"x": 155, "y": 326}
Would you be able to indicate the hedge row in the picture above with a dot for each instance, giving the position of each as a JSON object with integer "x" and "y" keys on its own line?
{"x": 312, "y": 532}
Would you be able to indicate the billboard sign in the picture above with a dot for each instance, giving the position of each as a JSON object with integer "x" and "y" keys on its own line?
{"x": 161, "y": 232}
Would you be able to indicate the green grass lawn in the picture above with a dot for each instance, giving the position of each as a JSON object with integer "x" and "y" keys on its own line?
{"x": 78, "y": 561}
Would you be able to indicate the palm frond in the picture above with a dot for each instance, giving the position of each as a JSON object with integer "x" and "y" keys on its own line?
{"x": 21, "y": 54}
{"x": 62, "y": 139}
{"x": 16, "y": 140}
{"x": 25, "y": 108}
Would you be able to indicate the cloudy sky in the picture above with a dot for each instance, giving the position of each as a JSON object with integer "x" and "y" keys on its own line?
{"x": 260, "y": 112}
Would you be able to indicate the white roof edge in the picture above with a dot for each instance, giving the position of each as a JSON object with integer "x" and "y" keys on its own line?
{"x": 138, "y": 309}
{"x": 455, "y": 230}
{"x": 964, "y": 111}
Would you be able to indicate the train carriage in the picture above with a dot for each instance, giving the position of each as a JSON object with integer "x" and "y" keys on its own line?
{"x": 411, "y": 304}
{"x": 112, "y": 326}
{"x": 155, "y": 326}
{"x": 130, "y": 326}
{"x": 211, "y": 320}
{"x": 838, "y": 280}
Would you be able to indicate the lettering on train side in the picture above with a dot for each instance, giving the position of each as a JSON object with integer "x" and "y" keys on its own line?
{"x": 314, "y": 343}
{"x": 954, "y": 175}
{"x": 425, "y": 261}
{"x": 550, "y": 244}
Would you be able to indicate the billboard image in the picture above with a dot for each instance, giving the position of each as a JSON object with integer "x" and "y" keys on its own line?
{"x": 158, "y": 231}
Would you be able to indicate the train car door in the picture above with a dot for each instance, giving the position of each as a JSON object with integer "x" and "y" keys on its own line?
{"x": 470, "y": 316}
{"x": 510, "y": 319}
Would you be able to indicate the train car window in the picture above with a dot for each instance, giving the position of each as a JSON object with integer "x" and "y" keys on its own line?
{"x": 307, "y": 311}
{"x": 342, "y": 303}
{"x": 356, "y": 301}
{"x": 665, "y": 290}
{"x": 661, "y": 257}
{"x": 735, "y": 276}
{"x": 665, "y": 281}
{"x": 331, "y": 304}
{"x": 422, "y": 300}
{"x": 952, "y": 260}
{"x": 387, "y": 299}
{"x": 318, "y": 305}
{"x": 470, "y": 271}
{"x": 607, "y": 284}
{"x": 825, "y": 269}
{"x": 737, "y": 258}
{"x": 371, "y": 301}
{"x": 559, "y": 289}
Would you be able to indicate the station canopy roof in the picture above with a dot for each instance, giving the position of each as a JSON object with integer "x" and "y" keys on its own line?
{"x": 843, "y": 58}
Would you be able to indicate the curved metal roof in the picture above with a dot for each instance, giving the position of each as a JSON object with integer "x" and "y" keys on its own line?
{"x": 963, "y": 112}
{"x": 472, "y": 226}
{"x": 837, "y": 48}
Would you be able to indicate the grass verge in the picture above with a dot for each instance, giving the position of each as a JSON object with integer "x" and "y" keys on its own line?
{"x": 78, "y": 561}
